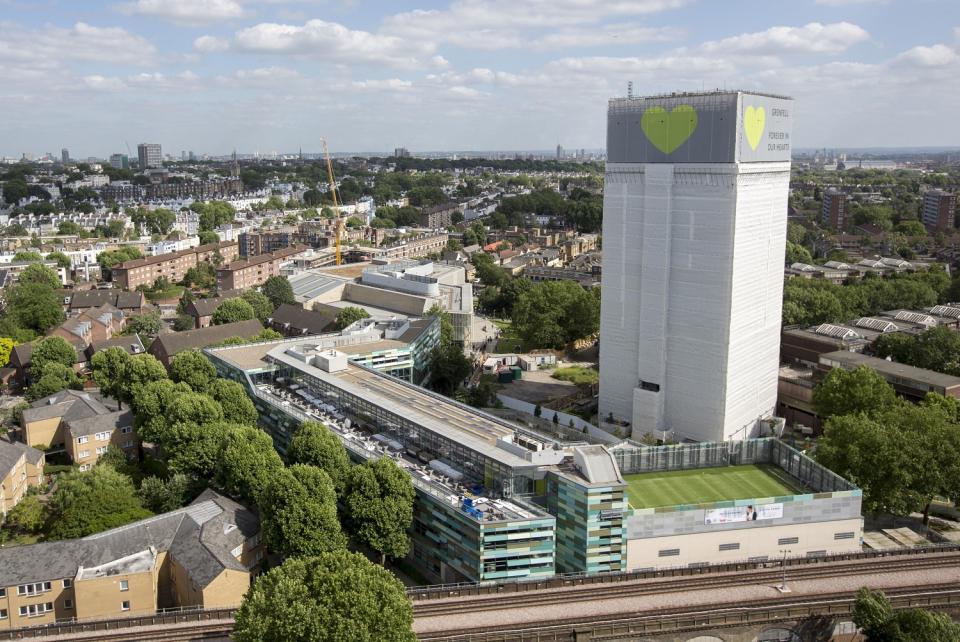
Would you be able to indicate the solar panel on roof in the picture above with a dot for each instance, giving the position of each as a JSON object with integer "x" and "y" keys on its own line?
{"x": 915, "y": 317}
{"x": 836, "y": 331}
{"x": 946, "y": 311}
{"x": 876, "y": 324}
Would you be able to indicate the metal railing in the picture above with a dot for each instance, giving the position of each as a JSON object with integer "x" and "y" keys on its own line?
{"x": 560, "y": 580}
{"x": 168, "y": 616}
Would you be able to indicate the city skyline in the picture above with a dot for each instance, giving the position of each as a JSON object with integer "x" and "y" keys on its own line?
{"x": 217, "y": 75}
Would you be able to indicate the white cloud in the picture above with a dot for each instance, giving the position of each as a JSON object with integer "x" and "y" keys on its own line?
{"x": 188, "y": 12}
{"x": 332, "y": 41}
{"x": 210, "y": 44}
{"x": 933, "y": 56}
{"x": 52, "y": 46}
{"x": 102, "y": 83}
{"x": 607, "y": 35}
{"x": 811, "y": 38}
{"x": 492, "y": 24}
{"x": 388, "y": 84}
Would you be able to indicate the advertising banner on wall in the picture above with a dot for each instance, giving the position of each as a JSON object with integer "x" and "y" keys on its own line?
{"x": 719, "y": 127}
{"x": 743, "y": 514}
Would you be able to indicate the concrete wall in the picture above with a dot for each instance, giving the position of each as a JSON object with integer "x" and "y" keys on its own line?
{"x": 704, "y": 547}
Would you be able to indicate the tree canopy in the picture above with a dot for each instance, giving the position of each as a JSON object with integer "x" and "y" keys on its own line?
{"x": 93, "y": 501}
{"x": 262, "y": 307}
{"x": 875, "y": 617}
{"x": 332, "y": 597}
{"x": 350, "y": 315}
{"x": 248, "y": 463}
{"x": 278, "y": 290}
{"x": 554, "y": 313}
{"x": 194, "y": 369}
{"x": 298, "y": 510}
{"x": 233, "y": 310}
{"x": 316, "y": 445}
{"x": 378, "y": 507}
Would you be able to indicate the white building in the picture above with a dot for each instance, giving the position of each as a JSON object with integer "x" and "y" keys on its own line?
{"x": 694, "y": 223}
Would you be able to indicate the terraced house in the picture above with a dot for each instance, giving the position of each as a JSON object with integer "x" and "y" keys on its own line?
{"x": 204, "y": 555}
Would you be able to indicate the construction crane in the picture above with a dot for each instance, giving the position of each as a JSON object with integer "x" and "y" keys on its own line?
{"x": 333, "y": 193}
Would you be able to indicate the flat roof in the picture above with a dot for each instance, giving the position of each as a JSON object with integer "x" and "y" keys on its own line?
{"x": 707, "y": 485}
{"x": 470, "y": 428}
{"x": 892, "y": 368}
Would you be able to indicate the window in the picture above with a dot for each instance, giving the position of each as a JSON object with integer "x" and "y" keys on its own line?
{"x": 35, "y": 610}
{"x": 82, "y": 440}
{"x": 730, "y": 547}
{"x": 67, "y": 583}
{"x": 128, "y": 444}
{"x": 84, "y": 453}
{"x": 847, "y": 535}
{"x": 34, "y": 589}
{"x": 649, "y": 386}
{"x": 68, "y": 604}
{"x": 103, "y": 436}
{"x": 126, "y": 430}
{"x": 124, "y": 585}
{"x": 84, "y": 468}
{"x": 788, "y": 540}
{"x": 125, "y": 605}
{"x": 3, "y": 592}
{"x": 3, "y": 614}
{"x": 101, "y": 450}
{"x": 669, "y": 552}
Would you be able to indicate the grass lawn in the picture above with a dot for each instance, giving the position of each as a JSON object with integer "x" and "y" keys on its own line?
{"x": 172, "y": 292}
{"x": 508, "y": 341}
{"x": 577, "y": 374}
{"x": 703, "y": 485}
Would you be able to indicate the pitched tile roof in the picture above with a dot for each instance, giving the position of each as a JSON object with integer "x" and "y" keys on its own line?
{"x": 296, "y": 317}
{"x": 194, "y": 339}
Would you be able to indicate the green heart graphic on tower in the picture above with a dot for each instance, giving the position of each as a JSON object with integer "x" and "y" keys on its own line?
{"x": 668, "y": 130}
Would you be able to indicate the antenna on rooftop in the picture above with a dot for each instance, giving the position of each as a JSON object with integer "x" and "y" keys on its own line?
{"x": 629, "y": 89}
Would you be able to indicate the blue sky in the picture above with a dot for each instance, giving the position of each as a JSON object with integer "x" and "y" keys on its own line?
{"x": 275, "y": 75}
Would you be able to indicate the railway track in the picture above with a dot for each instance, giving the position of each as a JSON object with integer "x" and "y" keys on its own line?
{"x": 595, "y": 592}
{"x": 693, "y": 618}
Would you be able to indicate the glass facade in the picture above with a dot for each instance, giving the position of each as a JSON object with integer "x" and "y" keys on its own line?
{"x": 590, "y": 531}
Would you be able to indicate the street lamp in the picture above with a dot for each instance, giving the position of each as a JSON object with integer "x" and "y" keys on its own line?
{"x": 783, "y": 583}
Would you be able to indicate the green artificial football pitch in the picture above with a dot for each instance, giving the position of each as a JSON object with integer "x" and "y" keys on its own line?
{"x": 703, "y": 485}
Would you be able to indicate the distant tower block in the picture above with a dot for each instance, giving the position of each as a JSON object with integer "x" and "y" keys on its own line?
{"x": 694, "y": 225}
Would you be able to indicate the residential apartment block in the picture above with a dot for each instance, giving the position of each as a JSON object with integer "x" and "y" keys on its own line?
{"x": 939, "y": 210}
{"x": 439, "y": 216}
{"x": 249, "y": 273}
{"x": 203, "y": 555}
{"x": 80, "y": 423}
{"x": 173, "y": 266}
{"x": 834, "y": 210}
{"x": 20, "y": 468}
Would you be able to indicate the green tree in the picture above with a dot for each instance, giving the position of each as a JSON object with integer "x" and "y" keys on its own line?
{"x": 6, "y": 348}
{"x": 797, "y": 254}
{"x": 378, "y": 507}
{"x": 233, "y": 398}
{"x": 262, "y": 307}
{"x": 54, "y": 378}
{"x": 51, "y": 350}
{"x": 109, "y": 371}
{"x": 27, "y": 256}
{"x": 249, "y": 462}
{"x": 314, "y": 444}
{"x": 90, "y": 502}
{"x": 141, "y": 370}
{"x": 349, "y": 315}
{"x": 554, "y": 313}
{"x": 278, "y": 290}
{"x": 40, "y": 274}
{"x": 848, "y": 392}
{"x": 148, "y": 324}
{"x": 875, "y": 617}
{"x": 35, "y": 306}
{"x": 164, "y": 495}
{"x": 62, "y": 260}
{"x": 233, "y": 310}
{"x": 28, "y": 516}
{"x": 333, "y": 597}
{"x": 298, "y": 512}
{"x": 194, "y": 369}
{"x": 196, "y": 450}
{"x": 207, "y": 237}
{"x": 149, "y": 408}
